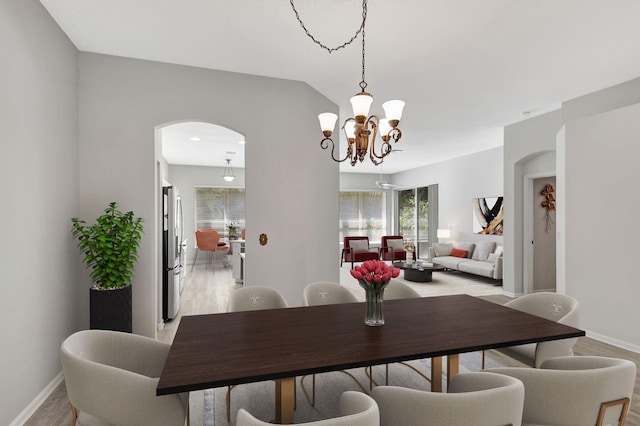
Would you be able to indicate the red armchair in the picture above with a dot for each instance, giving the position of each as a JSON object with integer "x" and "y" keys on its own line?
{"x": 356, "y": 249}
{"x": 392, "y": 248}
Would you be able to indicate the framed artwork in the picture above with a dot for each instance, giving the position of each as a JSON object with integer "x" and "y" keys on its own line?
{"x": 487, "y": 215}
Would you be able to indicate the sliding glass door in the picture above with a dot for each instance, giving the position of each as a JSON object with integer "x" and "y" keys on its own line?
{"x": 413, "y": 214}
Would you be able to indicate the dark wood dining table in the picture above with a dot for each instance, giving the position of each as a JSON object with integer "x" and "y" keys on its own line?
{"x": 218, "y": 350}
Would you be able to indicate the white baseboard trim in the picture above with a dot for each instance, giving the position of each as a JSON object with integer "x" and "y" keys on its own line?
{"x": 30, "y": 409}
{"x": 615, "y": 342}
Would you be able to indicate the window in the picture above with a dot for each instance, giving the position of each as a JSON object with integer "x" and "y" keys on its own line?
{"x": 413, "y": 223}
{"x": 216, "y": 208}
{"x": 363, "y": 214}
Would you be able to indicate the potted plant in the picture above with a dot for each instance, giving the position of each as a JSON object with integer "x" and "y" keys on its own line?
{"x": 110, "y": 248}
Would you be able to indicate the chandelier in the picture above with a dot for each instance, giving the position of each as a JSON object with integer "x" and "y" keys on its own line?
{"x": 362, "y": 129}
{"x": 228, "y": 172}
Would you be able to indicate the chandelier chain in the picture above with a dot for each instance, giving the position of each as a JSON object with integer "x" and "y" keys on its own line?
{"x": 343, "y": 45}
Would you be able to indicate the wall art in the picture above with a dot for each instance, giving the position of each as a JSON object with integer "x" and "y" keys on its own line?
{"x": 488, "y": 215}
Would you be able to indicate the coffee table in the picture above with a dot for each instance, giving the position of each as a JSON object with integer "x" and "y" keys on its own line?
{"x": 418, "y": 272}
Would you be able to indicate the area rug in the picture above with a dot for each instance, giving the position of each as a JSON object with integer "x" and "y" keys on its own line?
{"x": 208, "y": 407}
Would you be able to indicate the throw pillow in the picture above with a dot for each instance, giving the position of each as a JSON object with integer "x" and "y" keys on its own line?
{"x": 358, "y": 246}
{"x": 395, "y": 244}
{"x": 442, "y": 249}
{"x": 493, "y": 258}
{"x": 499, "y": 250}
{"x": 458, "y": 253}
{"x": 483, "y": 250}
{"x": 465, "y": 246}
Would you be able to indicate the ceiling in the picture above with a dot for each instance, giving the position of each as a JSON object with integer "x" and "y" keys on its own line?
{"x": 465, "y": 68}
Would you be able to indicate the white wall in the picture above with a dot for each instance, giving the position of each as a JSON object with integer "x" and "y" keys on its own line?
{"x": 524, "y": 143}
{"x": 292, "y": 199}
{"x": 593, "y": 139}
{"x": 42, "y": 301}
{"x": 459, "y": 181}
{"x": 602, "y": 203}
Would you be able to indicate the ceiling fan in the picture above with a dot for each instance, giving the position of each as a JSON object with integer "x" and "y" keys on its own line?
{"x": 383, "y": 184}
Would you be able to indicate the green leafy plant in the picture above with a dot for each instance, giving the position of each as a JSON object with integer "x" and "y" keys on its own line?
{"x": 110, "y": 246}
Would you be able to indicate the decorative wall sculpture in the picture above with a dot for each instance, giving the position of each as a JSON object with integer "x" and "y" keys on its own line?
{"x": 549, "y": 203}
{"x": 488, "y": 215}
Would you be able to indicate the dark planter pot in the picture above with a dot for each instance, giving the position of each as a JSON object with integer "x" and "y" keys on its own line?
{"x": 110, "y": 309}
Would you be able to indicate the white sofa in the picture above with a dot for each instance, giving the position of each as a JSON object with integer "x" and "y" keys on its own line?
{"x": 481, "y": 258}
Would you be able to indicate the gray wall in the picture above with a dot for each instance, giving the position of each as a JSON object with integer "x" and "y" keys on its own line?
{"x": 123, "y": 102}
{"x": 601, "y": 231}
{"x": 41, "y": 301}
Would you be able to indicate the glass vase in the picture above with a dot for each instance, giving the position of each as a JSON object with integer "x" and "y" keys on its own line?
{"x": 374, "y": 314}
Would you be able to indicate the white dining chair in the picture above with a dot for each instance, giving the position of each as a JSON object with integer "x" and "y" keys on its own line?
{"x": 111, "y": 379}
{"x": 325, "y": 293}
{"x": 399, "y": 290}
{"x": 356, "y": 409}
{"x": 575, "y": 390}
{"x": 249, "y": 299}
{"x": 556, "y": 307}
{"x": 478, "y": 399}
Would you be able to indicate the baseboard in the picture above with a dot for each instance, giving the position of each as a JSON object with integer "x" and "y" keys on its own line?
{"x": 33, "y": 406}
{"x": 614, "y": 342}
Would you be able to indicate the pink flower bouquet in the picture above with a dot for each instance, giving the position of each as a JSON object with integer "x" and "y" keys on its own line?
{"x": 374, "y": 274}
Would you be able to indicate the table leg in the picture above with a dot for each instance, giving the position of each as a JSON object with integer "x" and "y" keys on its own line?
{"x": 285, "y": 400}
{"x": 436, "y": 374}
{"x": 453, "y": 367}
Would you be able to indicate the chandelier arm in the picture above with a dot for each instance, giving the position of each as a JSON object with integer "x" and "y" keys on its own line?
{"x": 343, "y": 45}
{"x": 324, "y": 144}
{"x": 373, "y": 120}
{"x": 395, "y": 134}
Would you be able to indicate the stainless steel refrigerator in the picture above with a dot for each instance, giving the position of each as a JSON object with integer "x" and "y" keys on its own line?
{"x": 172, "y": 252}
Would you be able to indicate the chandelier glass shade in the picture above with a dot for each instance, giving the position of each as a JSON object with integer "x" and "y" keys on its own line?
{"x": 228, "y": 172}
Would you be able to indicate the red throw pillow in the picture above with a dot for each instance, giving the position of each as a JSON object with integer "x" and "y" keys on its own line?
{"x": 458, "y": 253}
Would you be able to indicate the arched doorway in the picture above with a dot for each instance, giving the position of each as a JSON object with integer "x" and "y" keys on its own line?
{"x": 191, "y": 155}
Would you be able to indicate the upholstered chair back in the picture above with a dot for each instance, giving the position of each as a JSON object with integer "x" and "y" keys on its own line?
{"x": 472, "y": 399}
{"x": 111, "y": 378}
{"x": 255, "y": 298}
{"x": 356, "y": 409}
{"x": 327, "y": 293}
{"x": 556, "y": 307}
{"x": 576, "y": 390}
{"x": 399, "y": 290}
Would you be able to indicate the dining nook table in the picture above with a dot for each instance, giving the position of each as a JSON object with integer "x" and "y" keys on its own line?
{"x": 219, "y": 350}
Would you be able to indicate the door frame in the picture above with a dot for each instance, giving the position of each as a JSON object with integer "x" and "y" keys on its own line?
{"x": 527, "y": 220}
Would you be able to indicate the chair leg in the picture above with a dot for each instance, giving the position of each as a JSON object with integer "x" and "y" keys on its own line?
{"x": 74, "y": 415}
{"x": 229, "y": 403}
{"x": 483, "y": 356}
{"x": 188, "y": 415}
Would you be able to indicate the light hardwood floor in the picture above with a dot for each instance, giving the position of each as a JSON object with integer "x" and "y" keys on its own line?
{"x": 207, "y": 291}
